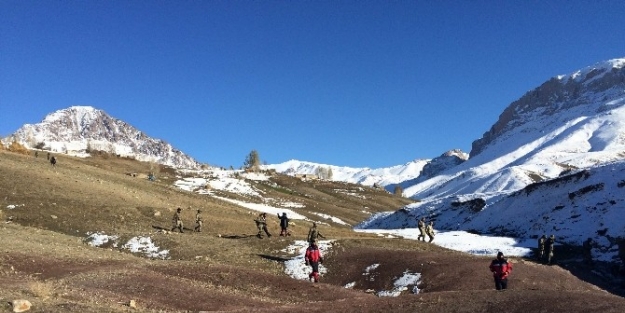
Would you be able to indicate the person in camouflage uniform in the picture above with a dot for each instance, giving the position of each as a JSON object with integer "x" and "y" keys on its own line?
{"x": 177, "y": 220}
{"x": 421, "y": 226}
{"x": 550, "y": 246}
{"x": 429, "y": 230}
{"x": 198, "y": 221}
{"x": 313, "y": 234}
{"x": 541, "y": 247}
{"x": 261, "y": 224}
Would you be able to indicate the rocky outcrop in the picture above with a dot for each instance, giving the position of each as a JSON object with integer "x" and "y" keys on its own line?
{"x": 445, "y": 161}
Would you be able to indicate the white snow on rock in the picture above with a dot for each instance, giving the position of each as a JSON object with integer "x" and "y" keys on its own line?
{"x": 99, "y": 238}
{"x": 144, "y": 245}
{"x": 466, "y": 242}
{"x": 401, "y": 284}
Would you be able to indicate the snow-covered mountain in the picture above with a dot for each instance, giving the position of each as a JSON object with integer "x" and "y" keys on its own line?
{"x": 554, "y": 162}
{"x": 570, "y": 122}
{"x": 405, "y": 175}
{"x": 81, "y": 128}
{"x": 364, "y": 176}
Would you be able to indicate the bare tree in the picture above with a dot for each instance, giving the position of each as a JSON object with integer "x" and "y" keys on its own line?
{"x": 399, "y": 191}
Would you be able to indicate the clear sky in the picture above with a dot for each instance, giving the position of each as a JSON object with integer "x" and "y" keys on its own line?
{"x": 347, "y": 83}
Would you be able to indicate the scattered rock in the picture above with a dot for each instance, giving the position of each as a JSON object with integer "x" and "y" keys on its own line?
{"x": 21, "y": 305}
{"x": 53, "y": 217}
{"x": 157, "y": 213}
{"x": 132, "y": 304}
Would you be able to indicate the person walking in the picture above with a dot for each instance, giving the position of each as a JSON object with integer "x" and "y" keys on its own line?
{"x": 314, "y": 234}
{"x": 284, "y": 224}
{"x": 421, "y": 226}
{"x": 550, "y": 246}
{"x": 501, "y": 270}
{"x": 312, "y": 258}
{"x": 198, "y": 221}
{"x": 177, "y": 221}
{"x": 429, "y": 230}
{"x": 261, "y": 224}
{"x": 541, "y": 247}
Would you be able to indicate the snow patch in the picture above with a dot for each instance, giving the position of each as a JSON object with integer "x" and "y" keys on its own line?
{"x": 296, "y": 267}
{"x": 144, "y": 245}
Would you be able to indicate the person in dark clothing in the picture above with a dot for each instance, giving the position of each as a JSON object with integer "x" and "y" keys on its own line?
{"x": 541, "y": 247}
{"x": 550, "y": 246}
{"x": 501, "y": 270}
{"x": 284, "y": 225}
{"x": 53, "y": 161}
{"x": 313, "y": 257}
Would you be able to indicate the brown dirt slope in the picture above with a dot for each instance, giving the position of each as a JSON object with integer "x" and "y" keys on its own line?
{"x": 45, "y": 259}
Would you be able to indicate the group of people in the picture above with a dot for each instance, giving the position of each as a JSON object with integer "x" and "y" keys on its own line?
{"x": 548, "y": 245}
{"x": 312, "y": 257}
{"x": 425, "y": 229}
{"x": 261, "y": 225}
{"x": 177, "y": 221}
{"x": 501, "y": 268}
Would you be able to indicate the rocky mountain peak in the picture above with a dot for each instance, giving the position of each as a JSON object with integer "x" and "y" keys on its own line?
{"x": 443, "y": 162}
{"x": 76, "y": 129}
{"x": 585, "y": 90}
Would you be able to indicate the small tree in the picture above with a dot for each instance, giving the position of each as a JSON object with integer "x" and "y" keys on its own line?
{"x": 329, "y": 173}
{"x": 399, "y": 191}
{"x": 252, "y": 161}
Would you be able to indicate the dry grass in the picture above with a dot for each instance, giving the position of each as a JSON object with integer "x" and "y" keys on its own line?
{"x": 225, "y": 268}
{"x": 42, "y": 290}
{"x": 16, "y": 147}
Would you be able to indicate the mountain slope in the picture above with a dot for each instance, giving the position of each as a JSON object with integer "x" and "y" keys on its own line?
{"x": 224, "y": 268}
{"x": 582, "y": 123}
{"x": 554, "y": 163}
{"x": 81, "y": 128}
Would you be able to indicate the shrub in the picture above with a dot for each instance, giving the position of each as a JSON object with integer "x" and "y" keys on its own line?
{"x": 17, "y": 147}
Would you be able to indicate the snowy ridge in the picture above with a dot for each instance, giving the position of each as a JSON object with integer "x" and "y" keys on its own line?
{"x": 389, "y": 176}
{"x": 363, "y": 176}
{"x": 76, "y": 129}
{"x": 554, "y": 163}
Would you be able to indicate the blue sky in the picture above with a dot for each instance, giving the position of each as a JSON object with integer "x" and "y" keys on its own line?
{"x": 348, "y": 83}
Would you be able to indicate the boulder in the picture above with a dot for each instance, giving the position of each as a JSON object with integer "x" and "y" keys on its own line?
{"x": 21, "y": 305}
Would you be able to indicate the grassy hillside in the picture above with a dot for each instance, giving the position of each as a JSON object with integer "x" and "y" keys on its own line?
{"x": 48, "y": 211}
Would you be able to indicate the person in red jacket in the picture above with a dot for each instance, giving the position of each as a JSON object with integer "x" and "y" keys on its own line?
{"x": 501, "y": 269}
{"x": 313, "y": 258}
